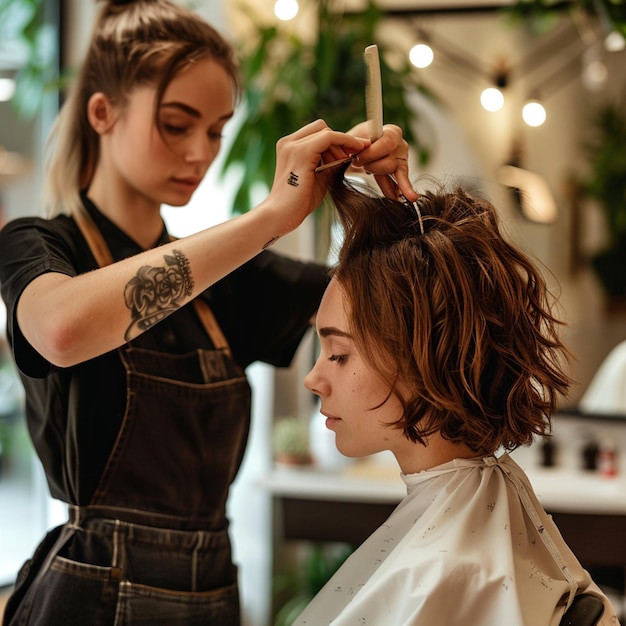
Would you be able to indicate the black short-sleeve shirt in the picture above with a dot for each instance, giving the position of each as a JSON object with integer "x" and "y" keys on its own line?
{"x": 74, "y": 414}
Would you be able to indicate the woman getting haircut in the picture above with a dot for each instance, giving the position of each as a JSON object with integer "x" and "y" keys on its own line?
{"x": 132, "y": 346}
{"x": 437, "y": 342}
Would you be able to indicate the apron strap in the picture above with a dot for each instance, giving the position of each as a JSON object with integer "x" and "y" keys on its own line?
{"x": 203, "y": 311}
{"x": 103, "y": 257}
{"x": 93, "y": 237}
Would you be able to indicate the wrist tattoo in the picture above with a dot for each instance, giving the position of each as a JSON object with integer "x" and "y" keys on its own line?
{"x": 293, "y": 179}
{"x": 270, "y": 242}
{"x": 156, "y": 292}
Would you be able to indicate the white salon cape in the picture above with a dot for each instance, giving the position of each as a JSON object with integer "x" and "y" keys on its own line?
{"x": 470, "y": 545}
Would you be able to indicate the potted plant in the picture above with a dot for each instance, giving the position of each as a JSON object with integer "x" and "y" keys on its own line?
{"x": 290, "y": 441}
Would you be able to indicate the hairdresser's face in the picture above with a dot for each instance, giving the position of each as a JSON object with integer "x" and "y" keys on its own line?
{"x": 352, "y": 394}
{"x": 167, "y": 166}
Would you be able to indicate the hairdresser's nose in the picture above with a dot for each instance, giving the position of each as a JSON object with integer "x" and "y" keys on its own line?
{"x": 316, "y": 382}
{"x": 202, "y": 149}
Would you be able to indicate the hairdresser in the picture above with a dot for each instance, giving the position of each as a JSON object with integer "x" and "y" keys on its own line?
{"x": 132, "y": 346}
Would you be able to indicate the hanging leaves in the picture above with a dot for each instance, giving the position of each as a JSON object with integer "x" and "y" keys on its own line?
{"x": 290, "y": 82}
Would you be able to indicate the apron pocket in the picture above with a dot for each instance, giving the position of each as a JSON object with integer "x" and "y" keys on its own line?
{"x": 151, "y": 606}
{"x": 73, "y": 593}
{"x": 28, "y": 572}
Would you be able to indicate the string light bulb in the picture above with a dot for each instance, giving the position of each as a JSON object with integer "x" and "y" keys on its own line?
{"x": 286, "y": 10}
{"x": 614, "y": 41}
{"x": 492, "y": 99}
{"x": 421, "y": 55}
{"x": 7, "y": 89}
{"x": 534, "y": 113}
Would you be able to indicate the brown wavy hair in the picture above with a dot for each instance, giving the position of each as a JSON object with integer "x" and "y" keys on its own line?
{"x": 457, "y": 320}
{"x": 133, "y": 43}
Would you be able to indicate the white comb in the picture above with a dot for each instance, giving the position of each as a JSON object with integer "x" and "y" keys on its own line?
{"x": 373, "y": 102}
{"x": 373, "y": 92}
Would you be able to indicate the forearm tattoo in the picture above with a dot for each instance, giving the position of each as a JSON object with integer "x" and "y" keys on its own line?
{"x": 293, "y": 179}
{"x": 156, "y": 292}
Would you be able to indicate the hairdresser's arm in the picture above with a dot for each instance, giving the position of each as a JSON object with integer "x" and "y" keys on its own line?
{"x": 69, "y": 320}
{"x": 387, "y": 156}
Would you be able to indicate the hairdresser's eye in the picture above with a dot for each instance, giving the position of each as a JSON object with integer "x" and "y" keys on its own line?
{"x": 338, "y": 358}
{"x": 174, "y": 130}
{"x": 215, "y": 136}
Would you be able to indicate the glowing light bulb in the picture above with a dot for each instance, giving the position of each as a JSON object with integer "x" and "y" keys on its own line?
{"x": 286, "y": 10}
{"x": 7, "y": 89}
{"x": 421, "y": 55}
{"x": 492, "y": 99}
{"x": 614, "y": 41}
{"x": 533, "y": 113}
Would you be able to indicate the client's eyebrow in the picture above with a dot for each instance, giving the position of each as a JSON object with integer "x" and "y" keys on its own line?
{"x": 331, "y": 331}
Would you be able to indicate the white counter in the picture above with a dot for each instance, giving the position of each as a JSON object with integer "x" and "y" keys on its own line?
{"x": 561, "y": 490}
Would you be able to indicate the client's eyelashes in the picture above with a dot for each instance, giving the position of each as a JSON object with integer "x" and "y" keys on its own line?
{"x": 338, "y": 358}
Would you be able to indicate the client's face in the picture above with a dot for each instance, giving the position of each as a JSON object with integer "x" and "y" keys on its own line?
{"x": 354, "y": 397}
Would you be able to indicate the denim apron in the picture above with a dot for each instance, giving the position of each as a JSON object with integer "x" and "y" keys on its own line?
{"x": 152, "y": 547}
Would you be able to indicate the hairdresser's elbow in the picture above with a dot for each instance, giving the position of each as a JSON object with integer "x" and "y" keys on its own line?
{"x": 56, "y": 339}
{"x": 54, "y": 335}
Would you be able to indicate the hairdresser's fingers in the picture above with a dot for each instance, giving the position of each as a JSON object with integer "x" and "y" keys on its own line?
{"x": 402, "y": 180}
{"x": 297, "y": 189}
{"x": 318, "y": 140}
{"x": 388, "y": 186}
{"x": 389, "y": 155}
{"x": 378, "y": 157}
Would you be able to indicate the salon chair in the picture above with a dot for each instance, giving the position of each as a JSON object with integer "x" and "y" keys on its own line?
{"x": 586, "y": 610}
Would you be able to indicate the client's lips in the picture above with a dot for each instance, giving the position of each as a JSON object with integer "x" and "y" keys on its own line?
{"x": 331, "y": 420}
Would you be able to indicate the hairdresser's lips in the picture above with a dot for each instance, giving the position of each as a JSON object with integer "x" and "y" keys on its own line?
{"x": 190, "y": 184}
{"x": 330, "y": 420}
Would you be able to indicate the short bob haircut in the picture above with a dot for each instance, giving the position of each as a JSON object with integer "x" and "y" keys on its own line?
{"x": 456, "y": 319}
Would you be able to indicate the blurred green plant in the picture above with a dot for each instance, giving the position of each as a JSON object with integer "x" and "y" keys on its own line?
{"x": 606, "y": 182}
{"x": 25, "y": 29}
{"x": 541, "y": 16}
{"x": 290, "y": 81}
{"x": 302, "y": 585}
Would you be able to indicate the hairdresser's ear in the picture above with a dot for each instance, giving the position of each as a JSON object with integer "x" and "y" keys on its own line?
{"x": 100, "y": 113}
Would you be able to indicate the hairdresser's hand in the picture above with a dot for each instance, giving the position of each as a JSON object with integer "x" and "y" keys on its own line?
{"x": 297, "y": 189}
{"x": 387, "y": 160}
